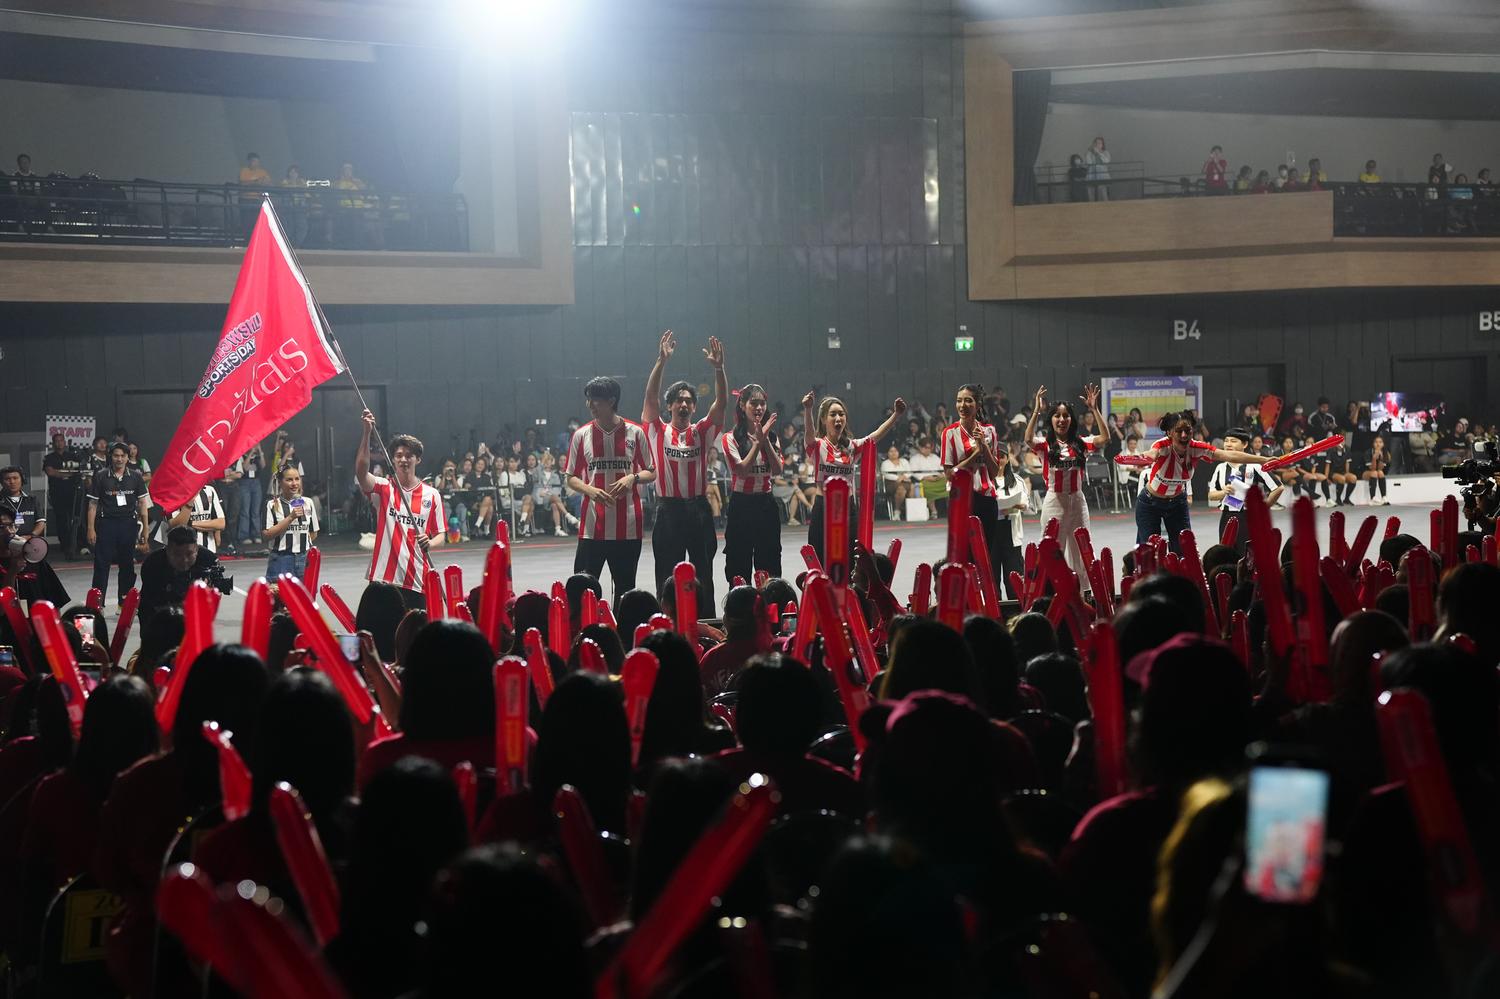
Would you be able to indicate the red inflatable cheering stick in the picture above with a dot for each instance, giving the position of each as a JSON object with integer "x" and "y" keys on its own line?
{"x": 330, "y": 657}
{"x": 591, "y": 657}
{"x": 59, "y": 653}
{"x": 580, "y": 845}
{"x": 837, "y": 655}
{"x": 1413, "y": 755}
{"x": 122, "y": 627}
{"x": 336, "y": 606}
{"x": 1192, "y": 567}
{"x": 559, "y": 628}
{"x": 512, "y": 704}
{"x": 21, "y": 627}
{"x": 953, "y": 595}
{"x": 810, "y": 558}
{"x": 1268, "y": 570}
{"x": 1362, "y": 539}
{"x": 1450, "y": 531}
{"x": 302, "y": 850}
{"x": 494, "y": 595}
{"x": 313, "y": 570}
{"x": 95, "y": 599}
{"x": 868, "y": 466}
{"x": 1107, "y": 702}
{"x": 709, "y": 867}
{"x": 234, "y": 776}
{"x": 836, "y": 540}
{"x": 685, "y": 583}
{"x": 255, "y": 631}
{"x": 985, "y": 571}
{"x": 921, "y": 593}
{"x": 198, "y": 622}
{"x": 638, "y": 678}
{"x": 537, "y": 662}
{"x": 960, "y": 503}
{"x": 453, "y": 588}
{"x": 1312, "y": 639}
{"x": 1420, "y": 623}
{"x": 432, "y": 591}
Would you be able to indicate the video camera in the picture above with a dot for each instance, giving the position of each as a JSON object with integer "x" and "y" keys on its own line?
{"x": 1477, "y": 477}
{"x": 220, "y": 580}
{"x": 1482, "y": 467}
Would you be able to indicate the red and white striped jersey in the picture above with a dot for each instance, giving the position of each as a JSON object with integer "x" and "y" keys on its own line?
{"x": 830, "y": 460}
{"x": 401, "y": 515}
{"x": 600, "y": 458}
{"x": 752, "y": 478}
{"x": 956, "y": 447}
{"x": 1169, "y": 475}
{"x": 681, "y": 457}
{"x": 1067, "y": 476}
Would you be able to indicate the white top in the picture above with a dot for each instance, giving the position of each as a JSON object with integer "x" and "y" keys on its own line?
{"x": 890, "y": 470}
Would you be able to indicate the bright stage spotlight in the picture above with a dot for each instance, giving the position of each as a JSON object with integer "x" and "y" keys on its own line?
{"x": 531, "y": 25}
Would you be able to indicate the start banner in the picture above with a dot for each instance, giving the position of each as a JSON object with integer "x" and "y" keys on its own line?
{"x": 78, "y": 430}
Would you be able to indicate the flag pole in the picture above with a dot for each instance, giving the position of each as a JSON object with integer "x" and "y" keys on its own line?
{"x": 328, "y": 326}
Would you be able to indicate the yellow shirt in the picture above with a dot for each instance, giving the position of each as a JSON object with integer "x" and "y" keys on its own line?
{"x": 1369, "y": 178}
{"x": 255, "y": 176}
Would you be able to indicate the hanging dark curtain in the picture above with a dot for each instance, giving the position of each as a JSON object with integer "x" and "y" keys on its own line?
{"x": 1031, "y": 91}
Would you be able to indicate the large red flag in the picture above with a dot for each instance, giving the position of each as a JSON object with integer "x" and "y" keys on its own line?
{"x": 273, "y": 350}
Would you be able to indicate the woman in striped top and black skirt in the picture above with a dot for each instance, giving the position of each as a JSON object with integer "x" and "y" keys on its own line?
{"x": 752, "y": 525}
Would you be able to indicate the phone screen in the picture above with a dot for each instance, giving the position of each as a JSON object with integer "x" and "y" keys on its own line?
{"x": 788, "y": 624}
{"x": 349, "y": 645}
{"x": 1284, "y": 833}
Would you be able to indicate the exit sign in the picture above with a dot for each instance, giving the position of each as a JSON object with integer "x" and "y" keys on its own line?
{"x": 963, "y": 344}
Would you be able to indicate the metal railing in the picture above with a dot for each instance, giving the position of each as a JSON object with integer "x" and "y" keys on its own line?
{"x": 58, "y": 209}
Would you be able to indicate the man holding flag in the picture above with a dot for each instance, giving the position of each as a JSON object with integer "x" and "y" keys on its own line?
{"x": 275, "y": 347}
{"x": 408, "y": 515}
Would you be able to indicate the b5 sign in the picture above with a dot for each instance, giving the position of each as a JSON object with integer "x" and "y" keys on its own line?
{"x": 1489, "y": 322}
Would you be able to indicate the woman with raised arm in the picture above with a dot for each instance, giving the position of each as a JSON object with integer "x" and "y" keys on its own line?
{"x": 1063, "y": 450}
{"x": 971, "y": 445}
{"x": 833, "y": 452}
{"x": 1161, "y": 507}
{"x": 752, "y": 527}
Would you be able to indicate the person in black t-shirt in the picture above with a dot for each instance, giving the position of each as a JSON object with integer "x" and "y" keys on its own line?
{"x": 118, "y": 514}
{"x": 168, "y": 572}
{"x": 64, "y": 469}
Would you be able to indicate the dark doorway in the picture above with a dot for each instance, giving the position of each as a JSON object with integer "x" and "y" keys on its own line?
{"x": 1227, "y": 388}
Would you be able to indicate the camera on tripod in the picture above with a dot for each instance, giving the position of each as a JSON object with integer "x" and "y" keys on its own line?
{"x": 1482, "y": 467}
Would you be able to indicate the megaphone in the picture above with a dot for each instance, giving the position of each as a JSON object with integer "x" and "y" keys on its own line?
{"x": 32, "y": 549}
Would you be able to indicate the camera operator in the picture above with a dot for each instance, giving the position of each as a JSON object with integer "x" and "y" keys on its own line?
{"x": 1479, "y": 478}
{"x": 64, "y": 468}
{"x": 118, "y": 514}
{"x": 31, "y": 580}
{"x": 168, "y": 572}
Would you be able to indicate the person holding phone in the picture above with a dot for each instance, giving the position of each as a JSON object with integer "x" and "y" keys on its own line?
{"x": 291, "y": 526}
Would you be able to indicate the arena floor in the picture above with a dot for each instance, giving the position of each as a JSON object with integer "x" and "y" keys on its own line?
{"x": 539, "y": 561}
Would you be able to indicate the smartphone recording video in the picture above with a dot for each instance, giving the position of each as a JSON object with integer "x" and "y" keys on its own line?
{"x": 1284, "y": 833}
{"x": 788, "y": 624}
{"x": 349, "y": 645}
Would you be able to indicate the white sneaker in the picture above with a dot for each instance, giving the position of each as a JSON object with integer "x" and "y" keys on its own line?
{"x": 560, "y": 531}
{"x": 572, "y": 520}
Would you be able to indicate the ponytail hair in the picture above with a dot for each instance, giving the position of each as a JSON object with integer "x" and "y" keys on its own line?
{"x": 1170, "y": 420}
{"x": 741, "y": 420}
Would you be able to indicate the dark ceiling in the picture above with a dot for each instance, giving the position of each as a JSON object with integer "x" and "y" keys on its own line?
{"x": 1344, "y": 93}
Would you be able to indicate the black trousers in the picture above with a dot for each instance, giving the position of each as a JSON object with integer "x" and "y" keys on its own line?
{"x": 1004, "y": 556}
{"x": 684, "y": 528}
{"x": 1241, "y": 537}
{"x": 752, "y": 536}
{"x": 815, "y": 526}
{"x": 64, "y": 522}
{"x": 622, "y": 557}
{"x": 117, "y": 538}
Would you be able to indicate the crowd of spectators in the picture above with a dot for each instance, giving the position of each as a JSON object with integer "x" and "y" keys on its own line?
{"x": 972, "y": 848}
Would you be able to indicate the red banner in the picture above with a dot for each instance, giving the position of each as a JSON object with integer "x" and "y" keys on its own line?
{"x": 273, "y": 350}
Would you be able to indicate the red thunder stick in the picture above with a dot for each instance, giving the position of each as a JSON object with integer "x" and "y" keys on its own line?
{"x": 1439, "y": 534}
{"x": 1067, "y": 600}
{"x": 234, "y": 775}
{"x": 976, "y": 599}
{"x": 95, "y": 599}
{"x": 1268, "y": 571}
{"x": 660, "y": 622}
{"x": 738, "y": 581}
{"x": 198, "y": 622}
{"x": 1031, "y": 558}
{"x": 559, "y": 590}
{"x": 1126, "y": 582}
{"x": 1053, "y": 528}
{"x": 709, "y": 867}
{"x": 836, "y": 537}
{"x": 255, "y": 632}
{"x": 1104, "y": 607}
{"x": 1450, "y": 531}
{"x": 1488, "y": 543}
{"x": 453, "y": 588}
{"x": 1085, "y": 545}
{"x": 536, "y": 661}
{"x": 1231, "y": 533}
{"x": 468, "y": 792}
{"x": 921, "y": 594}
{"x": 1192, "y": 567}
{"x": 277, "y": 959}
{"x": 588, "y": 611}
{"x": 580, "y": 844}
{"x": 1018, "y": 589}
{"x": 1338, "y": 548}
{"x": 864, "y": 645}
{"x": 953, "y": 596}
{"x": 807, "y": 623}
{"x": 810, "y": 557}
{"x": 329, "y": 655}
{"x": 591, "y": 657}
{"x": 22, "y": 628}
{"x": 638, "y": 678}
{"x": 641, "y": 632}
{"x": 1368, "y": 586}
{"x": 1173, "y": 564}
{"x": 1159, "y": 552}
{"x": 185, "y": 902}
{"x": 1312, "y": 639}
{"x": 685, "y": 580}
{"x": 461, "y": 612}
{"x": 865, "y": 529}
{"x": 336, "y": 606}
{"x": 1392, "y": 527}
{"x": 1412, "y": 755}
{"x": 960, "y": 503}
{"x": 432, "y": 590}
{"x": 605, "y": 615}
{"x": 1292, "y": 457}
{"x": 313, "y": 571}
{"x": 494, "y": 594}
{"x": 1419, "y": 604}
{"x": 1471, "y": 554}
{"x": 886, "y": 604}
{"x": 1107, "y": 702}
{"x": 1134, "y": 460}
{"x": 1223, "y": 585}
{"x": 559, "y": 630}
{"x": 1340, "y": 586}
{"x": 984, "y": 570}
{"x": 1362, "y": 539}
{"x": 1107, "y": 563}
{"x": 1239, "y": 636}
{"x": 122, "y": 626}
{"x": 512, "y": 703}
{"x": 837, "y": 655}
{"x": 762, "y": 577}
{"x": 59, "y": 654}
{"x": 302, "y": 850}
{"x": 893, "y": 552}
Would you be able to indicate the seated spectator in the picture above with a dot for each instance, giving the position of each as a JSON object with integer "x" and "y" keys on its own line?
{"x": 927, "y": 476}
{"x": 895, "y": 473}
{"x": 929, "y": 655}
{"x": 677, "y": 718}
{"x": 1282, "y": 172}
{"x": 1293, "y": 181}
{"x": 746, "y": 635}
{"x": 1453, "y": 446}
{"x": 1482, "y": 178}
{"x": 1242, "y": 180}
{"x": 1370, "y": 174}
{"x": 1215, "y": 171}
{"x": 584, "y": 740}
{"x": 1315, "y": 172}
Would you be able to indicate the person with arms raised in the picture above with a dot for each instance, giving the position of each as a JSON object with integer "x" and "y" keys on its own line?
{"x": 408, "y": 515}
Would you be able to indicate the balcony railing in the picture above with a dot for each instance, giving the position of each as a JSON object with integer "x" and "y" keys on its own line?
{"x": 150, "y": 213}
